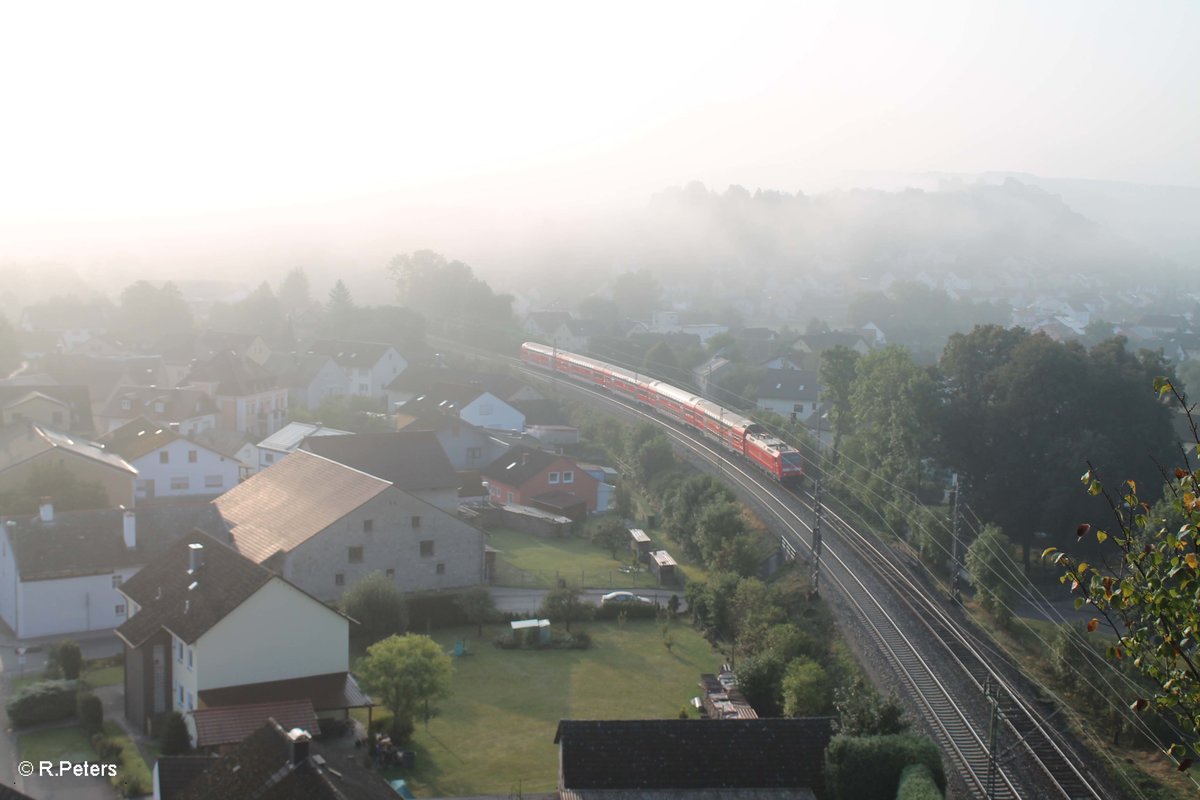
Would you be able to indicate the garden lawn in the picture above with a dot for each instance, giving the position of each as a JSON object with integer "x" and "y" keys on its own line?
{"x": 544, "y": 560}
{"x": 496, "y": 730}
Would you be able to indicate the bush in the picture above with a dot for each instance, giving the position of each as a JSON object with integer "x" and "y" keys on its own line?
{"x": 869, "y": 767}
{"x": 378, "y": 605}
{"x": 107, "y": 749}
{"x": 91, "y": 712}
{"x": 176, "y": 741}
{"x": 632, "y": 611}
{"x": 46, "y": 701}
{"x": 916, "y": 783}
{"x": 580, "y": 641}
{"x": 70, "y": 659}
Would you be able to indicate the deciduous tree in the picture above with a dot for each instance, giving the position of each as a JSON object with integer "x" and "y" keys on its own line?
{"x": 405, "y": 674}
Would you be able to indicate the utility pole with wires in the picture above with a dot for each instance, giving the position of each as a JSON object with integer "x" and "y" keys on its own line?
{"x": 993, "y": 694}
{"x": 955, "y": 589}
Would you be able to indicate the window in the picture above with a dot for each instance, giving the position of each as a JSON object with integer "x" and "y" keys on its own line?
{"x": 179, "y": 653}
{"x": 441, "y": 569}
{"x": 553, "y": 478}
{"x": 339, "y": 579}
{"x": 568, "y": 476}
{"x": 189, "y": 701}
{"x": 416, "y": 522}
{"x": 391, "y": 573}
{"x": 164, "y": 457}
{"x": 354, "y": 555}
{"x": 181, "y": 694}
{"x": 213, "y": 481}
{"x": 120, "y": 609}
{"x": 117, "y": 581}
{"x": 192, "y": 456}
{"x": 270, "y": 458}
{"x": 363, "y": 388}
{"x": 510, "y": 498}
{"x": 426, "y": 547}
{"x": 474, "y": 453}
{"x": 180, "y": 483}
{"x": 368, "y": 525}
{"x": 189, "y": 658}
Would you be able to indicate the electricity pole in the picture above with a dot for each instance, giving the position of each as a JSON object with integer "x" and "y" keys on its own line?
{"x": 955, "y": 591}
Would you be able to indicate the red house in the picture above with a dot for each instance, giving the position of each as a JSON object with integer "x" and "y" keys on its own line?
{"x": 523, "y": 475}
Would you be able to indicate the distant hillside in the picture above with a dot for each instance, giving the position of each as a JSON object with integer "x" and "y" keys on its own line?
{"x": 968, "y": 228}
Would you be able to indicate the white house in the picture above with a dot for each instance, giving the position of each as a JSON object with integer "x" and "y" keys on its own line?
{"x": 470, "y": 404}
{"x": 790, "y": 393}
{"x": 60, "y": 571}
{"x": 185, "y": 411}
{"x": 208, "y": 627}
{"x": 289, "y": 438}
{"x": 369, "y": 366}
{"x": 170, "y": 465}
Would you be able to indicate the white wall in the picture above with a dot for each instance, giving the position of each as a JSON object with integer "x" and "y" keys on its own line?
{"x": 69, "y": 605}
{"x": 489, "y": 411}
{"x": 277, "y": 634}
{"x": 208, "y": 464}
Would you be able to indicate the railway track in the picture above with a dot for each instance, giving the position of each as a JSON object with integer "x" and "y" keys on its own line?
{"x": 998, "y": 743}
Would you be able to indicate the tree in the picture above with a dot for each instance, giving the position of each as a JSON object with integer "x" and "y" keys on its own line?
{"x": 176, "y": 741}
{"x": 148, "y": 312}
{"x": 452, "y": 298}
{"x": 70, "y": 659}
{"x": 378, "y": 605}
{"x": 477, "y": 606}
{"x": 838, "y": 367}
{"x": 893, "y": 400}
{"x": 1145, "y": 585}
{"x": 662, "y": 362}
{"x": 717, "y": 523}
{"x": 294, "y": 292}
{"x": 564, "y": 605}
{"x": 636, "y": 294}
{"x": 340, "y": 308}
{"x": 806, "y": 689}
{"x": 863, "y": 712}
{"x": 993, "y": 571}
{"x": 611, "y": 534}
{"x": 55, "y": 480}
{"x": 405, "y": 674}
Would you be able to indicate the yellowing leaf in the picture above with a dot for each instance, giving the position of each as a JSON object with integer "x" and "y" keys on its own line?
{"x": 1192, "y": 561}
{"x": 1101, "y": 536}
{"x": 1093, "y": 623}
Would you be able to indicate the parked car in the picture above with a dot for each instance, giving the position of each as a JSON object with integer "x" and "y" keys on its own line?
{"x": 618, "y": 598}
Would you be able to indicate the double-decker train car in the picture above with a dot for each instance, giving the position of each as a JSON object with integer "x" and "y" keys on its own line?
{"x": 734, "y": 431}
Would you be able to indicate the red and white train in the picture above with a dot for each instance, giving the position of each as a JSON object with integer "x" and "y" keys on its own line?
{"x": 737, "y": 433}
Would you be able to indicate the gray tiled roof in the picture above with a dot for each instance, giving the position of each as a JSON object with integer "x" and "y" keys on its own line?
{"x": 693, "y": 754}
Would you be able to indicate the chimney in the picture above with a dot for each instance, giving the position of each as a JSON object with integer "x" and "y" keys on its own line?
{"x": 524, "y": 459}
{"x": 130, "y": 530}
{"x": 46, "y": 509}
{"x": 299, "y": 740}
{"x": 195, "y": 557}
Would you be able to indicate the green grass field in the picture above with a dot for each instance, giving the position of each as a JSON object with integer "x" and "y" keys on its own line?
{"x": 497, "y": 727}
{"x": 528, "y": 560}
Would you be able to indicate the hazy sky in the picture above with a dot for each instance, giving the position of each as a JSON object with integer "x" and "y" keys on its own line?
{"x": 121, "y": 112}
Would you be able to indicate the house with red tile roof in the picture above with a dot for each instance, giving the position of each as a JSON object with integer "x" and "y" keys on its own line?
{"x": 525, "y": 476}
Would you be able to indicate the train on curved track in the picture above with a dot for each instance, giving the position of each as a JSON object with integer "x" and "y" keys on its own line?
{"x": 735, "y": 432}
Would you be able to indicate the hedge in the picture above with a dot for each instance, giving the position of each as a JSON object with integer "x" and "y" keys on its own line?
{"x": 869, "y": 767}
{"x": 916, "y": 783}
{"x": 632, "y": 611}
{"x": 45, "y": 701}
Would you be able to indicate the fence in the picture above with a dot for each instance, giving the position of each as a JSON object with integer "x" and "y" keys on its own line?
{"x": 621, "y": 578}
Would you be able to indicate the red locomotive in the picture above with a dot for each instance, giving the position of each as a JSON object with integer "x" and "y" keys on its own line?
{"x": 735, "y": 432}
